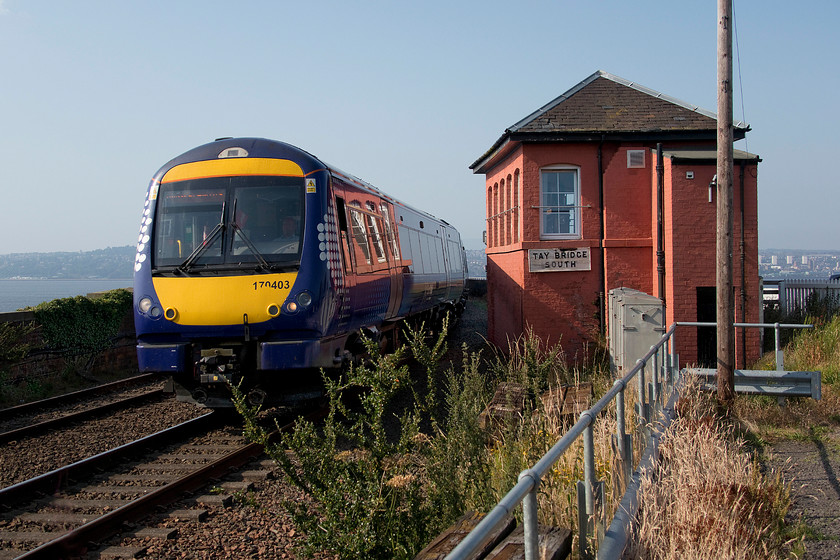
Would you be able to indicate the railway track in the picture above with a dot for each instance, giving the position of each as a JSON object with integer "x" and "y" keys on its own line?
{"x": 38, "y": 411}
{"x": 57, "y": 514}
{"x": 60, "y": 421}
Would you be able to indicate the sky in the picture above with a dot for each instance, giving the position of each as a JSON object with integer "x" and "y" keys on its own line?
{"x": 95, "y": 96}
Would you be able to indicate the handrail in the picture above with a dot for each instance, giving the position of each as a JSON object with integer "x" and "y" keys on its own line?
{"x": 780, "y": 356}
{"x": 651, "y": 401}
{"x": 525, "y": 489}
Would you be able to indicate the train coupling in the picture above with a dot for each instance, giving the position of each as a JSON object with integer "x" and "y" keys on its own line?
{"x": 217, "y": 365}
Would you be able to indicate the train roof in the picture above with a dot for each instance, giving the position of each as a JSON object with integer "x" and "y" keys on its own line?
{"x": 265, "y": 148}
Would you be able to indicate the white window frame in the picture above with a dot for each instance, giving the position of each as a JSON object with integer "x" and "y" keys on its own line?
{"x": 573, "y": 209}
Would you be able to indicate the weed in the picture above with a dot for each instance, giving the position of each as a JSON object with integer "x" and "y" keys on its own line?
{"x": 245, "y": 499}
{"x": 711, "y": 499}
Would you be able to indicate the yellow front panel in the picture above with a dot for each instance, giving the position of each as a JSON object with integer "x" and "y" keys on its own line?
{"x": 232, "y": 166}
{"x": 223, "y": 300}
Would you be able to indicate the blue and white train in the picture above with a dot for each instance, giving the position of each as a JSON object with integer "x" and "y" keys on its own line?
{"x": 258, "y": 264}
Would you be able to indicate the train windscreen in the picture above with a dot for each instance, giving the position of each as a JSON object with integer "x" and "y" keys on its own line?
{"x": 229, "y": 221}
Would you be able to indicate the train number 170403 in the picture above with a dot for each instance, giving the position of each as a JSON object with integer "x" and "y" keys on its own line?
{"x": 273, "y": 284}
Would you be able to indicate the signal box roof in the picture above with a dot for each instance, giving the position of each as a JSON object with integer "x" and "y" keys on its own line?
{"x": 604, "y": 106}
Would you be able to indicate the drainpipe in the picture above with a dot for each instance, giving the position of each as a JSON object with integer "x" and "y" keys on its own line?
{"x": 602, "y": 311}
{"x": 660, "y": 252}
{"x": 743, "y": 274}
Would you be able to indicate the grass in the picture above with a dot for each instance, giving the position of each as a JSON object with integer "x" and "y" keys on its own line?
{"x": 815, "y": 349}
{"x": 756, "y": 496}
{"x": 380, "y": 495}
{"x": 710, "y": 497}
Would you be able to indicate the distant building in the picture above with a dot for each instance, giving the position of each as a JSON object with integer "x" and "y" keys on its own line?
{"x": 789, "y": 259}
{"x": 774, "y": 260}
{"x": 572, "y": 212}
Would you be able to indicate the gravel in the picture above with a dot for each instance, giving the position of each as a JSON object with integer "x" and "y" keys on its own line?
{"x": 31, "y": 457}
{"x": 812, "y": 467}
{"x": 58, "y": 411}
{"x": 254, "y": 524}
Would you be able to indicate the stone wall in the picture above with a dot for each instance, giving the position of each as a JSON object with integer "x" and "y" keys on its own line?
{"x": 42, "y": 362}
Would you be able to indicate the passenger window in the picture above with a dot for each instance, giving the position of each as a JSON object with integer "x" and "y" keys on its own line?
{"x": 360, "y": 234}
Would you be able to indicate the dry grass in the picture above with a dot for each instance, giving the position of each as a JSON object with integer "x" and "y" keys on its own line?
{"x": 709, "y": 497}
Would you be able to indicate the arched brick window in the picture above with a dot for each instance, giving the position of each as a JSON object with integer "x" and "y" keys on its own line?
{"x": 560, "y": 202}
{"x": 516, "y": 206}
{"x": 508, "y": 210}
{"x": 489, "y": 224}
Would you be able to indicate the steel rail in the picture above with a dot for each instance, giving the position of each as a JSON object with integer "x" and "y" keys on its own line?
{"x": 59, "y": 478}
{"x": 76, "y": 541}
{"x": 40, "y": 427}
{"x": 29, "y": 408}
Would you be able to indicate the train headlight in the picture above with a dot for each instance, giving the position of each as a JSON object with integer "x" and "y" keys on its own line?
{"x": 148, "y": 307}
{"x": 171, "y": 313}
{"x": 144, "y": 305}
{"x": 304, "y": 299}
{"x": 273, "y": 310}
{"x": 291, "y": 307}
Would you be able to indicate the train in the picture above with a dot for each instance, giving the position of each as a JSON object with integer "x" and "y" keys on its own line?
{"x": 258, "y": 265}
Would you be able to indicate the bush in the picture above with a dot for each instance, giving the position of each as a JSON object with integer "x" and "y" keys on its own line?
{"x": 375, "y": 496}
{"x": 81, "y": 325}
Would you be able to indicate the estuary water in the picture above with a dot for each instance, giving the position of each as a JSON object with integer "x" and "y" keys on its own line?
{"x": 18, "y": 293}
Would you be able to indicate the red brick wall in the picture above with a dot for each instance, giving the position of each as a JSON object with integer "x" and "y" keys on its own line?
{"x": 504, "y": 301}
{"x": 563, "y": 306}
{"x": 690, "y": 251}
{"x": 559, "y": 306}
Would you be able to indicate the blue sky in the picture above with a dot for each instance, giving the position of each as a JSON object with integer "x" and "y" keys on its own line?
{"x": 96, "y": 95}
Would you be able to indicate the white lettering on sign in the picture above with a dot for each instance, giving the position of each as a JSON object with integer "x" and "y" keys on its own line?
{"x": 557, "y": 260}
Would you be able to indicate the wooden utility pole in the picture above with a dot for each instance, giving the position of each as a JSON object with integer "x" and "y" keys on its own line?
{"x": 725, "y": 297}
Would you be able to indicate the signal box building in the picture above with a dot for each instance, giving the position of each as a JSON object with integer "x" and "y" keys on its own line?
{"x": 580, "y": 201}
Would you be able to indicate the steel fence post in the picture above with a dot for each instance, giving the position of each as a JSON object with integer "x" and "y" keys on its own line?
{"x": 675, "y": 365}
{"x": 780, "y": 354}
{"x": 529, "y": 517}
{"x": 655, "y": 381}
{"x": 621, "y": 435}
{"x": 642, "y": 406}
{"x": 589, "y": 477}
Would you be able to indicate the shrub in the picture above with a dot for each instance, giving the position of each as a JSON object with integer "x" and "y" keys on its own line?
{"x": 82, "y": 325}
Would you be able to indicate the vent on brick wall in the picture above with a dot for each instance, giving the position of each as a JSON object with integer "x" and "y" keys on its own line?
{"x": 635, "y": 159}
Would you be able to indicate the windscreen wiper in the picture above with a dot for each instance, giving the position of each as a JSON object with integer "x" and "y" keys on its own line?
{"x": 238, "y": 231}
{"x": 208, "y": 241}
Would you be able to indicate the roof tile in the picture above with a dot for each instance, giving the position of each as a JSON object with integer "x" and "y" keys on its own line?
{"x": 605, "y": 105}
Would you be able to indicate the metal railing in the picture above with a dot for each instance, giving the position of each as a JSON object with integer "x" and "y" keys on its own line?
{"x": 793, "y": 294}
{"x": 658, "y": 384}
{"x": 779, "y": 383}
{"x": 649, "y": 403}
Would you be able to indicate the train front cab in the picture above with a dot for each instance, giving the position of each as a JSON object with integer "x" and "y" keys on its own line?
{"x": 215, "y": 302}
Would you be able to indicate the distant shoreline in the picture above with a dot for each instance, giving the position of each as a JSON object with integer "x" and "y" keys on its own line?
{"x": 74, "y": 278}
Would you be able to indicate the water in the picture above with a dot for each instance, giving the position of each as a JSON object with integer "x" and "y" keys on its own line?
{"x": 15, "y": 294}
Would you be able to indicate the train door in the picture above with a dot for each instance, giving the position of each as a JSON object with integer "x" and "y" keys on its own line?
{"x": 447, "y": 268}
{"x": 346, "y": 255}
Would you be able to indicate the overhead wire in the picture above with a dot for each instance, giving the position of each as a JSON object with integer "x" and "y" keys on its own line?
{"x": 740, "y": 79}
